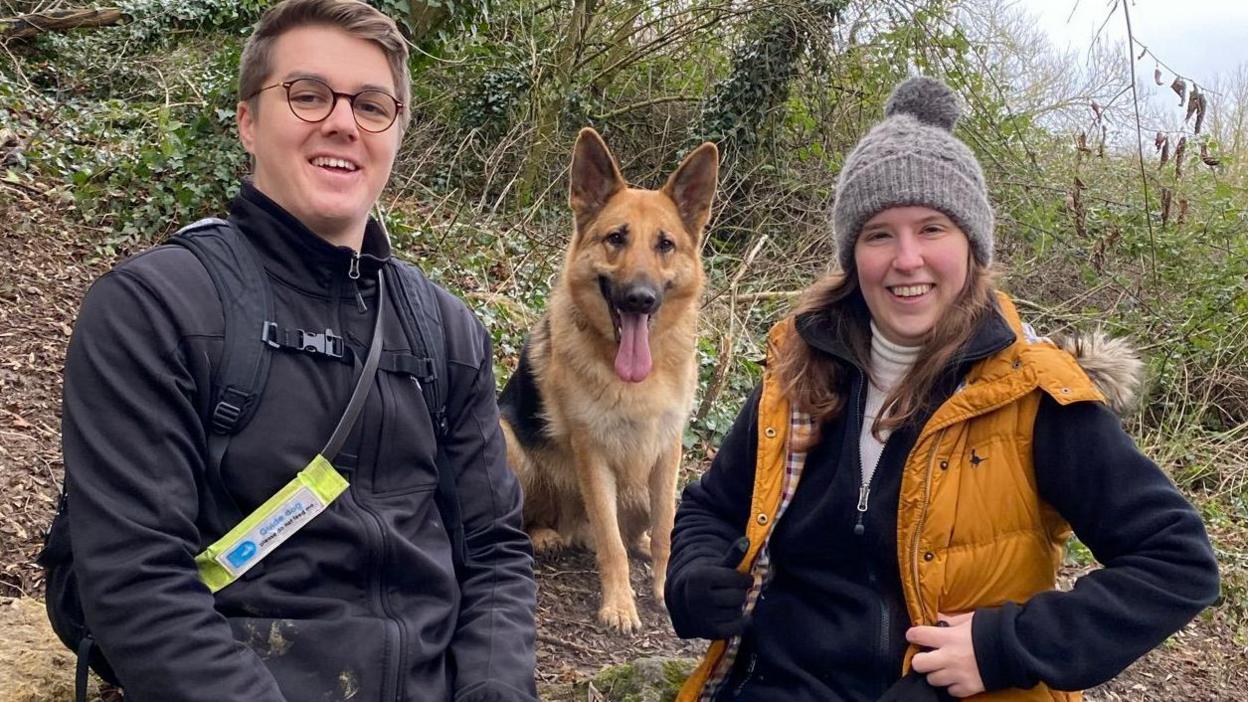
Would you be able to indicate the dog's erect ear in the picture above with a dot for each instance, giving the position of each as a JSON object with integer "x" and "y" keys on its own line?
{"x": 692, "y": 187}
{"x": 594, "y": 175}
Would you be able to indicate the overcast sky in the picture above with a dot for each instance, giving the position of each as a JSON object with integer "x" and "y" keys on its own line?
{"x": 1195, "y": 38}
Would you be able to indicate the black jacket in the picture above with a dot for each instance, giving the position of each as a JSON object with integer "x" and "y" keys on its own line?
{"x": 363, "y": 603}
{"x": 830, "y": 625}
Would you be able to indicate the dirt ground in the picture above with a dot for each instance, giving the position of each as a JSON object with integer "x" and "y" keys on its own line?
{"x": 46, "y": 266}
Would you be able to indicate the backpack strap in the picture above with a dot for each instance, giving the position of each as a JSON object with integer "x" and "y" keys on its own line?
{"x": 418, "y": 309}
{"x": 247, "y": 303}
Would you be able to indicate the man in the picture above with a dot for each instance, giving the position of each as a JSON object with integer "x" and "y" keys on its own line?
{"x": 363, "y": 602}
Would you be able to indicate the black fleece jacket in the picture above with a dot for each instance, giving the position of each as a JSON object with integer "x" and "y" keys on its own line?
{"x": 363, "y": 603}
{"x": 830, "y": 623}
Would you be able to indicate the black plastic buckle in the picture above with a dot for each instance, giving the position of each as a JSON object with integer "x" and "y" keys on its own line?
{"x": 320, "y": 342}
{"x": 225, "y": 416}
{"x": 268, "y": 334}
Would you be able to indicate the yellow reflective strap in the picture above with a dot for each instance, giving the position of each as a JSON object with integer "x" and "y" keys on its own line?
{"x": 266, "y": 528}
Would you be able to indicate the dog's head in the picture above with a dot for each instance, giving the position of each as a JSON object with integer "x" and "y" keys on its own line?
{"x": 635, "y": 263}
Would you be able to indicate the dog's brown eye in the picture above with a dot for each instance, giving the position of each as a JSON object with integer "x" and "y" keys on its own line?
{"x": 666, "y": 245}
{"x": 616, "y": 238}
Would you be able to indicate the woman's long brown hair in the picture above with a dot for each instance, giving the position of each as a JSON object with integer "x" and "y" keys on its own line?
{"x": 815, "y": 381}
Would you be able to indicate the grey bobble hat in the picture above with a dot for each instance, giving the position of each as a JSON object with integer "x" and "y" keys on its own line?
{"x": 912, "y": 158}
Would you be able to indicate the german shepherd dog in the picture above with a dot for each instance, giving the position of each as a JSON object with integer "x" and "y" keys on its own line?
{"x": 596, "y": 410}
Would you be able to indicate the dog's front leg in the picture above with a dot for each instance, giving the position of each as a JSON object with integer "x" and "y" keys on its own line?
{"x": 599, "y": 490}
{"x": 663, "y": 513}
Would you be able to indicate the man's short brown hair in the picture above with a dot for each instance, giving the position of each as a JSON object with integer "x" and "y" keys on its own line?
{"x": 351, "y": 16}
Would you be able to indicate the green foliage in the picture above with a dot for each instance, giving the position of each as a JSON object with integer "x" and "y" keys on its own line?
{"x": 150, "y": 21}
{"x": 763, "y": 69}
{"x": 134, "y": 151}
{"x": 492, "y": 102}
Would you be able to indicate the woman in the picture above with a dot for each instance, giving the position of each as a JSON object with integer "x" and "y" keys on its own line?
{"x": 910, "y": 468}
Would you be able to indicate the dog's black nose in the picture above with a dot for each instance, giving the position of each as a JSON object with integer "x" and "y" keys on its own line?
{"x": 638, "y": 298}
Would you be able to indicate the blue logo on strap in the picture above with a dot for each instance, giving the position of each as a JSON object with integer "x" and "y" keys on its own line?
{"x": 241, "y": 554}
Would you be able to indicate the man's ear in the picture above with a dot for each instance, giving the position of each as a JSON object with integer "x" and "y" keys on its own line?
{"x": 594, "y": 177}
{"x": 245, "y": 117}
{"x": 692, "y": 187}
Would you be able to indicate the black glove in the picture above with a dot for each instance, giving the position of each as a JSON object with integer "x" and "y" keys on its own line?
{"x": 710, "y": 596}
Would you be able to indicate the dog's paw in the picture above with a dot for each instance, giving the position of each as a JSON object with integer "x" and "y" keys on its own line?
{"x": 545, "y": 539}
{"x": 642, "y": 547}
{"x": 621, "y": 616}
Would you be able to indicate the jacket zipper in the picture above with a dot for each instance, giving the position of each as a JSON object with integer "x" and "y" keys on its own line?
{"x": 864, "y": 485}
{"x": 377, "y": 563}
{"x": 914, "y": 540}
{"x": 353, "y": 272}
{"x": 864, "y": 494}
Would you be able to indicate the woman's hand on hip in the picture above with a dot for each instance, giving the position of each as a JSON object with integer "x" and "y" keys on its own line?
{"x": 948, "y": 655}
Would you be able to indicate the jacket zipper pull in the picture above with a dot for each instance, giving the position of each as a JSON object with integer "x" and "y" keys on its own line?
{"x": 863, "y": 493}
{"x": 354, "y": 274}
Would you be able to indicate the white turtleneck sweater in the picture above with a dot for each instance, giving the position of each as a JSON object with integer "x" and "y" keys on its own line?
{"x": 889, "y": 363}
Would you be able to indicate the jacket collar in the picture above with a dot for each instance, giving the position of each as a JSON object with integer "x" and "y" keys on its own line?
{"x": 295, "y": 253}
{"x": 825, "y": 330}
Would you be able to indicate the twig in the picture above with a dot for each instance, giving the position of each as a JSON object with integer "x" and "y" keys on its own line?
{"x": 579, "y": 648}
{"x": 1139, "y": 142}
{"x": 768, "y": 295}
{"x": 727, "y": 342}
{"x": 645, "y": 103}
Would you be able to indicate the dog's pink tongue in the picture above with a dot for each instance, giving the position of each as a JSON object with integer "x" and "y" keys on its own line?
{"x": 632, "y": 361}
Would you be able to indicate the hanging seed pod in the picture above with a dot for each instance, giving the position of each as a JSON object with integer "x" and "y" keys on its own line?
{"x": 1182, "y": 211}
{"x": 1159, "y": 140}
{"x": 1178, "y": 157}
{"x": 1193, "y": 103}
{"x": 1100, "y": 148}
{"x": 1200, "y": 112}
{"x": 1166, "y": 196}
{"x": 1179, "y": 86}
{"x": 1096, "y": 110}
{"x": 1157, "y": 75}
{"x": 1081, "y": 143}
{"x": 1210, "y": 161}
{"x": 1165, "y": 154}
{"x": 1074, "y": 201}
{"x": 1143, "y": 50}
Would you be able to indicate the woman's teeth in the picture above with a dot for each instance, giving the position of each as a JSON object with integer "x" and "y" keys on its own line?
{"x": 910, "y": 290}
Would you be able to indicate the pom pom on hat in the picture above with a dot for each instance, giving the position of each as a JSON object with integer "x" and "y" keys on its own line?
{"x": 927, "y": 100}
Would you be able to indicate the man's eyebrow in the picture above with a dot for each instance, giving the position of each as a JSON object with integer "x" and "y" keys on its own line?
{"x": 316, "y": 76}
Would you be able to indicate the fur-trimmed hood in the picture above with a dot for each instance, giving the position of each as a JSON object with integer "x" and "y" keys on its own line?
{"x": 1113, "y": 365}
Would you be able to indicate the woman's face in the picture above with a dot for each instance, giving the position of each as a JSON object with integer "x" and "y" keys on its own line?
{"x": 912, "y": 264}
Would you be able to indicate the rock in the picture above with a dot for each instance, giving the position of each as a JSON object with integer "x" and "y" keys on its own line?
{"x": 643, "y": 680}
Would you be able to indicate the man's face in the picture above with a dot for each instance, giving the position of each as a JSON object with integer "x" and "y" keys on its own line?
{"x": 300, "y": 165}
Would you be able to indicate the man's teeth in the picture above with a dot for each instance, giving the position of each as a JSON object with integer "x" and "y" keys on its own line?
{"x": 333, "y": 163}
{"x": 910, "y": 290}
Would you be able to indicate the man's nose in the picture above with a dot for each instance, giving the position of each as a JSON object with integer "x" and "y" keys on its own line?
{"x": 341, "y": 118}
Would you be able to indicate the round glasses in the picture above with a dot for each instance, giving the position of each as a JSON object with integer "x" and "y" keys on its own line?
{"x": 312, "y": 100}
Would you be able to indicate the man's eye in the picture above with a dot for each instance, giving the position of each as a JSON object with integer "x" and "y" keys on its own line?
{"x": 308, "y": 99}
